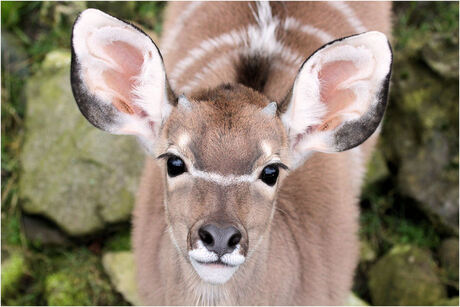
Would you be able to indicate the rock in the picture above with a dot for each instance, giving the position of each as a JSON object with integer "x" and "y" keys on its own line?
{"x": 448, "y": 256}
{"x": 354, "y": 300}
{"x": 14, "y": 56}
{"x": 64, "y": 289}
{"x": 39, "y": 231}
{"x": 448, "y": 302}
{"x": 56, "y": 60}
{"x": 74, "y": 174}
{"x": 406, "y": 275}
{"x": 441, "y": 54}
{"x": 120, "y": 268}
{"x": 77, "y": 277}
{"x": 13, "y": 269}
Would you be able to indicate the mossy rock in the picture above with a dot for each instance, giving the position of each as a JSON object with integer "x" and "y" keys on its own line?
{"x": 120, "y": 268}
{"x": 448, "y": 302}
{"x": 441, "y": 54}
{"x": 13, "y": 269}
{"x": 406, "y": 275}
{"x": 64, "y": 289}
{"x": 74, "y": 174}
{"x": 354, "y": 300}
{"x": 448, "y": 256}
{"x": 77, "y": 278}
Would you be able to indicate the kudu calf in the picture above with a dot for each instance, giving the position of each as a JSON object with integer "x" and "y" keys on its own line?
{"x": 249, "y": 195}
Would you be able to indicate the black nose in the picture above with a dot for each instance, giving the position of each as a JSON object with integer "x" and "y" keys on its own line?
{"x": 219, "y": 240}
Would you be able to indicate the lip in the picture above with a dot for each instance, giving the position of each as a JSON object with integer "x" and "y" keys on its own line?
{"x": 216, "y": 264}
{"x": 213, "y": 268}
{"x": 215, "y": 272}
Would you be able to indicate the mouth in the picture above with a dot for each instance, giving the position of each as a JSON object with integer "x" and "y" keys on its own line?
{"x": 216, "y": 264}
{"x": 212, "y": 268}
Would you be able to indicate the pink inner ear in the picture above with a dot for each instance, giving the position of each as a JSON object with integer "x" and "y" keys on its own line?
{"x": 122, "y": 80}
{"x": 331, "y": 76}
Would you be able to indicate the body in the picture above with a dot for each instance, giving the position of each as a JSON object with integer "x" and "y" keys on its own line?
{"x": 316, "y": 219}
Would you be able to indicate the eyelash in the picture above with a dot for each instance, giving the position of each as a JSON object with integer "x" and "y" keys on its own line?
{"x": 279, "y": 164}
{"x": 166, "y": 155}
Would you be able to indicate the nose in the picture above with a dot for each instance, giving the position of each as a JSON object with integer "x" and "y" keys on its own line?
{"x": 218, "y": 239}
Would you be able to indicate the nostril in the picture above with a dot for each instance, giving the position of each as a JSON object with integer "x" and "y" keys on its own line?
{"x": 205, "y": 236}
{"x": 234, "y": 240}
{"x": 218, "y": 239}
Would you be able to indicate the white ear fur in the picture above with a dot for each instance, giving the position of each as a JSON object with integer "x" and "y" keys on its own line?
{"x": 94, "y": 35}
{"x": 368, "y": 56}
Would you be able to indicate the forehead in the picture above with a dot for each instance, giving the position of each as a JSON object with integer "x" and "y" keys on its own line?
{"x": 225, "y": 131}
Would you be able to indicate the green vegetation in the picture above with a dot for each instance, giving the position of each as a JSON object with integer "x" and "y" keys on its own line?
{"x": 423, "y": 119}
{"x": 119, "y": 242}
{"x": 12, "y": 271}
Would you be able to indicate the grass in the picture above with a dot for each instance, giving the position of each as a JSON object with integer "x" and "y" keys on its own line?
{"x": 415, "y": 19}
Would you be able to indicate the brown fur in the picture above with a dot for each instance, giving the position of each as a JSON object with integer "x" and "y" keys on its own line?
{"x": 308, "y": 250}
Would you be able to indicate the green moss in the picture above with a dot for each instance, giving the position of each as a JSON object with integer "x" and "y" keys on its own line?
{"x": 405, "y": 276}
{"x": 12, "y": 270}
{"x": 11, "y": 229}
{"x": 120, "y": 241}
{"x": 448, "y": 257}
{"x": 64, "y": 289}
{"x": 407, "y": 232}
{"x": 76, "y": 278}
{"x": 448, "y": 302}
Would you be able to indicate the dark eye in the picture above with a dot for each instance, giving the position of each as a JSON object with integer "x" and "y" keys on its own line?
{"x": 176, "y": 166}
{"x": 270, "y": 174}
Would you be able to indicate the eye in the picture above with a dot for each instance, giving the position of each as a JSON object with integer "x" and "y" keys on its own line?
{"x": 270, "y": 174}
{"x": 176, "y": 166}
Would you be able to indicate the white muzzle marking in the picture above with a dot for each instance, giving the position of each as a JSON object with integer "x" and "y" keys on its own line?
{"x": 203, "y": 261}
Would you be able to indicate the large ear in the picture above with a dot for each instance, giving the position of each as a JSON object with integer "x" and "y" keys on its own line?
{"x": 117, "y": 75}
{"x": 339, "y": 96}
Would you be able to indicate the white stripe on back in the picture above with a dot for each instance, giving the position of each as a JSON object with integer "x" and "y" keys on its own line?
{"x": 291, "y": 23}
{"x": 255, "y": 39}
{"x": 167, "y": 44}
{"x": 230, "y": 38}
{"x": 213, "y": 66}
{"x": 349, "y": 14}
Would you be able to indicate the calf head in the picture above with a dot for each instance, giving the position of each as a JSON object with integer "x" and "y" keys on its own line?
{"x": 224, "y": 152}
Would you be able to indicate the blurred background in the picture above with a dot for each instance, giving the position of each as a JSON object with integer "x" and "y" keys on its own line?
{"x": 67, "y": 189}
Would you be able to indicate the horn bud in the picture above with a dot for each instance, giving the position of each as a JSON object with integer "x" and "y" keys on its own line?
{"x": 184, "y": 103}
{"x": 270, "y": 109}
